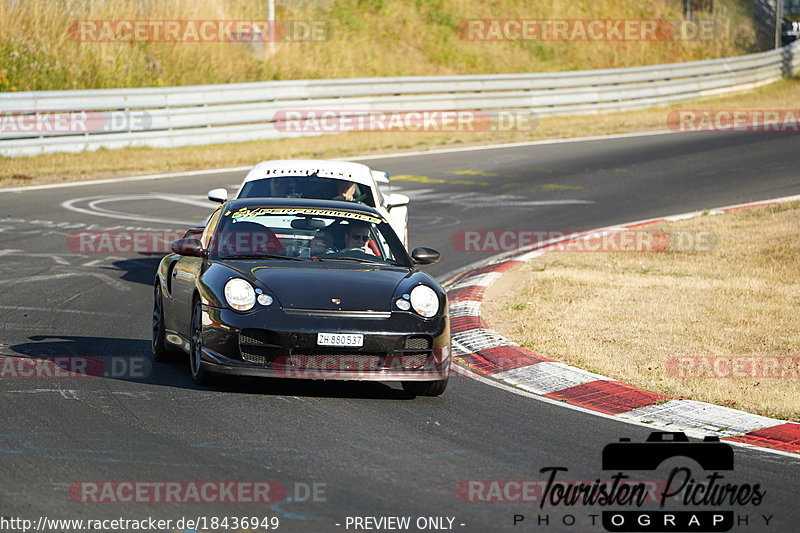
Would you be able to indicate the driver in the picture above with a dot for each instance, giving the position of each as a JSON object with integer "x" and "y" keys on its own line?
{"x": 283, "y": 188}
{"x": 357, "y": 237}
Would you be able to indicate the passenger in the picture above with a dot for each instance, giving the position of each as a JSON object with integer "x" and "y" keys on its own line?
{"x": 346, "y": 191}
{"x": 322, "y": 243}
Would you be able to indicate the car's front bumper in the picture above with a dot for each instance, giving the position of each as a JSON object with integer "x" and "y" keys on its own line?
{"x": 398, "y": 346}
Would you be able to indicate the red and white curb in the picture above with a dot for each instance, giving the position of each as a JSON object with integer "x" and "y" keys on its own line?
{"x": 482, "y": 351}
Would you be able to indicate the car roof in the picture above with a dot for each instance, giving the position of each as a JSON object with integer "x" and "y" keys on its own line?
{"x": 343, "y": 170}
{"x": 303, "y": 203}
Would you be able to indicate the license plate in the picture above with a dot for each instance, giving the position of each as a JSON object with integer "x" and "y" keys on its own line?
{"x": 340, "y": 339}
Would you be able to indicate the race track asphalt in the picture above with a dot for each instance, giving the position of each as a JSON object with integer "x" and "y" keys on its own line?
{"x": 371, "y": 449}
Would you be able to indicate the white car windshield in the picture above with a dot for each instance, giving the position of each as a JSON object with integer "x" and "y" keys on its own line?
{"x": 313, "y": 186}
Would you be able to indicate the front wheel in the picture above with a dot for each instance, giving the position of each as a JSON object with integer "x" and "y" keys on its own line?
{"x": 200, "y": 375}
{"x": 162, "y": 353}
{"x": 425, "y": 388}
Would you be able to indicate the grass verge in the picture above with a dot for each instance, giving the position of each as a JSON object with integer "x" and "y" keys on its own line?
{"x": 719, "y": 326}
{"x": 57, "y": 168}
{"x": 362, "y": 38}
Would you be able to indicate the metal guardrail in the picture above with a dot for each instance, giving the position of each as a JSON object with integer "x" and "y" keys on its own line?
{"x": 208, "y": 114}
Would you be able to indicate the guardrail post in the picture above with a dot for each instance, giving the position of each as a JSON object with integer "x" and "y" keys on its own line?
{"x": 271, "y": 21}
{"x": 788, "y": 57}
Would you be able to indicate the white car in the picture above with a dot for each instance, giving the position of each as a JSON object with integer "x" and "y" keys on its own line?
{"x": 324, "y": 180}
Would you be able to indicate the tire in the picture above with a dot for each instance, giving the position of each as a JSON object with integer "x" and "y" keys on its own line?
{"x": 161, "y": 352}
{"x": 200, "y": 375}
{"x": 425, "y": 388}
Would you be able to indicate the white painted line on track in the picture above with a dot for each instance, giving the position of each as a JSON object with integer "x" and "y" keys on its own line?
{"x": 168, "y": 175}
{"x": 94, "y": 209}
{"x": 464, "y": 371}
{"x": 542, "y": 142}
{"x": 108, "y": 280}
{"x": 186, "y": 174}
{"x": 67, "y": 394}
{"x": 52, "y": 309}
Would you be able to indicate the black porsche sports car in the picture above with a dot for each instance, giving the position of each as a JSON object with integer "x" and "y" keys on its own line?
{"x": 308, "y": 289}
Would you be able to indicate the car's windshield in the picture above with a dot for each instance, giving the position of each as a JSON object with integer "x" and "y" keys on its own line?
{"x": 305, "y": 233}
{"x": 313, "y": 187}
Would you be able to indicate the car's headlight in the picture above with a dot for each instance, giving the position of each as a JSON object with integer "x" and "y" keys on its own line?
{"x": 424, "y": 301}
{"x": 240, "y": 294}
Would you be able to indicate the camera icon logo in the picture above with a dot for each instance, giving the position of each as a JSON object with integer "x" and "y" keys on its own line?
{"x": 711, "y": 454}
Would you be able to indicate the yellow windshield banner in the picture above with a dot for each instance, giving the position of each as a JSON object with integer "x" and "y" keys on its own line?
{"x": 246, "y": 212}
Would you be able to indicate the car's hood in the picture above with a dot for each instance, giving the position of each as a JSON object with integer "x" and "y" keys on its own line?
{"x": 356, "y": 287}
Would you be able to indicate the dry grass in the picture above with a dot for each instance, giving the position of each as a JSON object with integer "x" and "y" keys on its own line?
{"x": 104, "y": 163}
{"x": 369, "y": 38}
{"x": 624, "y": 315}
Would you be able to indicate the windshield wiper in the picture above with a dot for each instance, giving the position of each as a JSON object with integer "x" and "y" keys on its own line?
{"x": 262, "y": 256}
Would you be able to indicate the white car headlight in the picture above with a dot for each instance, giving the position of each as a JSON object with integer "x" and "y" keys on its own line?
{"x": 240, "y": 294}
{"x": 424, "y": 301}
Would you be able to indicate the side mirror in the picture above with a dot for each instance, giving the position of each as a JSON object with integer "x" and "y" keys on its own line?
{"x": 218, "y": 195}
{"x": 425, "y": 256}
{"x": 194, "y": 233}
{"x": 380, "y": 176}
{"x": 190, "y": 247}
{"x": 396, "y": 200}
